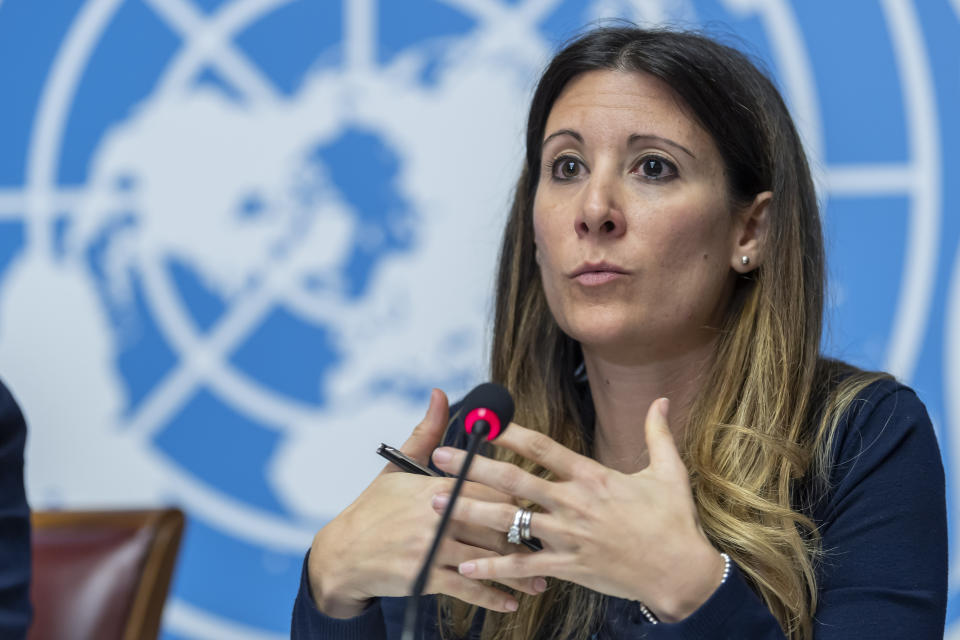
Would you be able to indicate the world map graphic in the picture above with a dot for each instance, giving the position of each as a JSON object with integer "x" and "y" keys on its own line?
{"x": 241, "y": 240}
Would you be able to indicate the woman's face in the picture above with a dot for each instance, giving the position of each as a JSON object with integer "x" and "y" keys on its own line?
{"x": 635, "y": 237}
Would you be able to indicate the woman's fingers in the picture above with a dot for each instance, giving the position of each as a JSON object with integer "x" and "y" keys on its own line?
{"x": 448, "y": 581}
{"x": 482, "y": 492}
{"x": 513, "y": 566}
{"x": 505, "y": 477}
{"x": 496, "y": 517}
{"x": 546, "y": 452}
{"x": 483, "y": 537}
{"x": 453, "y": 553}
{"x": 480, "y": 537}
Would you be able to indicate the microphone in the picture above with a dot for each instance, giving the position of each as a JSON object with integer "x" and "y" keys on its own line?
{"x": 487, "y": 411}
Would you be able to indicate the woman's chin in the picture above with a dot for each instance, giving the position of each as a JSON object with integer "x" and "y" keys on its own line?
{"x": 608, "y": 338}
{"x": 630, "y": 343}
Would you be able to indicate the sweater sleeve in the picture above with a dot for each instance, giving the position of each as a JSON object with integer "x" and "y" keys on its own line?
{"x": 884, "y": 535}
{"x": 884, "y": 525}
{"x": 310, "y": 623}
{"x": 15, "y": 610}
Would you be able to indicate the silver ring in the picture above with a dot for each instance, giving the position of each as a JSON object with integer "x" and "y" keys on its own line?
{"x": 513, "y": 535}
{"x": 525, "y": 524}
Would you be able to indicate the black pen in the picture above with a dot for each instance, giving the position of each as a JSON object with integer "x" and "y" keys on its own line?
{"x": 410, "y": 465}
{"x": 403, "y": 461}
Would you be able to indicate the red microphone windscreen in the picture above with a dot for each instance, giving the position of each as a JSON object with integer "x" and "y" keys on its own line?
{"x": 490, "y": 402}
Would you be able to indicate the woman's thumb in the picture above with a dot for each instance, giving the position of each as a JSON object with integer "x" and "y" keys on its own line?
{"x": 660, "y": 443}
{"x": 426, "y": 435}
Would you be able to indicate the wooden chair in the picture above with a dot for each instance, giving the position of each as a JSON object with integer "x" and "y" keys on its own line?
{"x": 102, "y": 575}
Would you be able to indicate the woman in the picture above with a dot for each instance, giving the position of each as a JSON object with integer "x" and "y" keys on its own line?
{"x": 663, "y": 257}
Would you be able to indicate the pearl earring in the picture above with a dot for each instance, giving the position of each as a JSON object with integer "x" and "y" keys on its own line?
{"x": 744, "y": 260}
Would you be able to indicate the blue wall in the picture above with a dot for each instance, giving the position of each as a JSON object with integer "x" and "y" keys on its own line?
{"x": 231, "y": 238}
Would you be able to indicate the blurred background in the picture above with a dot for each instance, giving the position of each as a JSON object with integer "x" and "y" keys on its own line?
{"x": 240, "y": 240}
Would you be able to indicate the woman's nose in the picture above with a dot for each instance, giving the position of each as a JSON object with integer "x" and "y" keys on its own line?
{"x": 601, "y": 213}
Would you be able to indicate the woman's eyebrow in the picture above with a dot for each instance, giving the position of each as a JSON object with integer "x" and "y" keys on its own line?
{"x": 563, "y": 132}
{"x": 650, "y": 136}
{"x": 633, "y": 138}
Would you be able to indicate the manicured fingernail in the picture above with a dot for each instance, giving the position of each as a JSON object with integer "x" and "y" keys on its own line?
{"x": 510, "y": 604}
{"x": 539, "y": 585}
{"x": 466, "y": 568}
{"x": 440, "y": 500}
{"x": 664, "y": 407}
{"x": 442, "y": 455}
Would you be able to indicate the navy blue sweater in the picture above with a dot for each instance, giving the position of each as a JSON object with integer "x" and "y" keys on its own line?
{"x": 884, "y": 531}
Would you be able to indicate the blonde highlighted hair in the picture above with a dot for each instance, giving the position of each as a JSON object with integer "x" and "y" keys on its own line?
{"x": 758, "y": 443}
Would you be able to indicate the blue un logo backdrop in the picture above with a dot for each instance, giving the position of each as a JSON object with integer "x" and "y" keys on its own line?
{"x": 241, "y": 239}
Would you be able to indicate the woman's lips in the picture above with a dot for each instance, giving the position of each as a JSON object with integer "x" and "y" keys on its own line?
{"x": 597, "y": 274}
{"x": 593, "y": 278}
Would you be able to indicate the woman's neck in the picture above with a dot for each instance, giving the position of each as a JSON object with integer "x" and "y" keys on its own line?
{"x": 622, "y": 393}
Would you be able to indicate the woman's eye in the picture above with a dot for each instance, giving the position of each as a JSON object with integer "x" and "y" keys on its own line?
{"x": 656, "y": 168}
{"x": 566, "y": 168}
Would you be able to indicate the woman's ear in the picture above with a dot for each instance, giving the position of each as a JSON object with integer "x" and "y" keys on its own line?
{"x": 750, "y": 234}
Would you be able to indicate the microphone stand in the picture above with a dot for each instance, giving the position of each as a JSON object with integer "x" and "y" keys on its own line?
{"x": 478, "y": 433}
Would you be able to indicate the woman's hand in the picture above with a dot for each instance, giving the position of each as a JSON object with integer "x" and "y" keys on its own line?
{"x": 376, "y": 545}
{"x": 632, "y": 536}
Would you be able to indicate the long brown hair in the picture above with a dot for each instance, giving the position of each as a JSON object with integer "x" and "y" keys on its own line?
{"x": 757, "y": 446}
